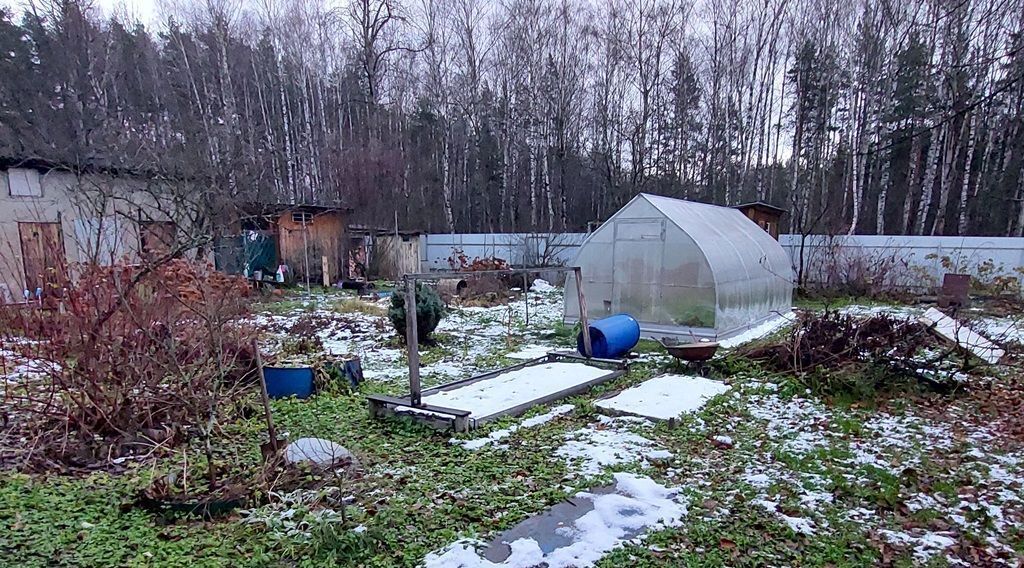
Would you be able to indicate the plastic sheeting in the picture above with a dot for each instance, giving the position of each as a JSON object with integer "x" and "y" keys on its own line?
{"x": 682, "y": 269}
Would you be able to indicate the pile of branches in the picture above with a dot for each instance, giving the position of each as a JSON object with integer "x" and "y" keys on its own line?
{"x": 460, "y": 262}
{"x": 136, "y": 359}
{"x": 834, "y": 352}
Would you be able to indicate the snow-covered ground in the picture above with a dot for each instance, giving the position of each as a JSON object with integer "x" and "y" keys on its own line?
{"x": 637, "y": 503}
{"x": 513, "y": 388}
{"x": 472, "y": 335}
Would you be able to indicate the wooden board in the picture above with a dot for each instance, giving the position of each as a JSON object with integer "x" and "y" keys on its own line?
{"x": 323, "y": 234}
{"x": 42, "y": 255}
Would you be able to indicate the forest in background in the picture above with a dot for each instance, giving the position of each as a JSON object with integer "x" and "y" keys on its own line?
{"x": 862, "y": 116}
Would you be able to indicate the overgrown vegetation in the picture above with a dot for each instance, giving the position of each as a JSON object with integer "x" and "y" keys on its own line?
{"x": 134, "y": 360}
{"x": 415, "y": 492}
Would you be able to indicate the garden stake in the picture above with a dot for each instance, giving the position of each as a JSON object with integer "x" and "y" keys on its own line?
{"x": 266, "y": 399}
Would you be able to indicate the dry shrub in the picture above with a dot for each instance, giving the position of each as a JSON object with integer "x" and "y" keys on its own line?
{"x": 834, "y": 353}
{"x": 835, "y": 270}
{"x": 135, "y": 358}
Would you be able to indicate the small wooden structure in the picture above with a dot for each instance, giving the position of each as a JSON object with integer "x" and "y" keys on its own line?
{"x": 387, "y": 254}
{"x": 308, "y": 233}
{"x": 765, "y": 215}
{"x": 459, "y": 419}
{"x": 312, "y": 240}
{"x": 395, "y": 254}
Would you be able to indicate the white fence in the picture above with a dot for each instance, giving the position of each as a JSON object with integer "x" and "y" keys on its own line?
{"x": 520, "y": 249}
{"x": 919, "y": 258}
{"x": 909, "y": 260}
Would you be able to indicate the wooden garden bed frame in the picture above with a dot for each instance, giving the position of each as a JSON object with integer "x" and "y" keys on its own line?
{"x": 442, "y": 417}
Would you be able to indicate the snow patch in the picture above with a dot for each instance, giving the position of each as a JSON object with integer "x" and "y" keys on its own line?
{"x": 511, "y": 389}
{"x": 925, "y": 545}
{"x": 664, "y": 397}
{"x": 638, "y": 504}
{"x": 477, "y": 443}
{"x": 530, "y": 352}
{"x": 757, "y": 332}
{"x": 542, "y": 286}
{"x": 605, "y": 444}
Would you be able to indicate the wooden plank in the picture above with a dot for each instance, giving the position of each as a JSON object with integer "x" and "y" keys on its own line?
{"x": 584, "y": 324}
{"x": 325, "y": 271}
{"x": 436, "y": 421}
{"x": 42, "y": 252}
{"x": 398, "y": 401}
{"x": 616, "y": 363}
{"x": 962, "y": 335}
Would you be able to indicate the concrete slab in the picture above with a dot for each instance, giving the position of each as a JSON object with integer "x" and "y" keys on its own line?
{"x": 544, "y": 528}
{"x": 965, "y": 337}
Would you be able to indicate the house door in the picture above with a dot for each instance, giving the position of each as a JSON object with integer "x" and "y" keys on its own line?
{"x": 42, "y": 254}
{"x": 636, "y": 278}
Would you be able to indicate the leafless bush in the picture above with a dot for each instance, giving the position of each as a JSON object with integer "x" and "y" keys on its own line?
{"x": 836, "y": 270}
{"x": 134, "y": 359}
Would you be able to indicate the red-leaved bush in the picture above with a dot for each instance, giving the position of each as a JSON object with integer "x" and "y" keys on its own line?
{"x": 134, "y": 358}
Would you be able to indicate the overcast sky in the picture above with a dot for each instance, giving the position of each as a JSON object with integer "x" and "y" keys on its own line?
{"x": 143, "y": 10}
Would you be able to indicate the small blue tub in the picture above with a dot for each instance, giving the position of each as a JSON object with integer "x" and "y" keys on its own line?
{"x": 284, "y": 382}
{"x": 611, "y": 337}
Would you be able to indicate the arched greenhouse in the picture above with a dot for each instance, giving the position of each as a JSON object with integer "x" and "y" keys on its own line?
{"x": 682, "y": 269}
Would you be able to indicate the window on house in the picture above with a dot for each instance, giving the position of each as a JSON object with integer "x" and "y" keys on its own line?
{"x": 302, "y": 217}
{"x": 23, "y": 182}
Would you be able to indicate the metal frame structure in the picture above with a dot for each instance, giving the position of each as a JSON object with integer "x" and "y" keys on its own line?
{"x": 443, "y": 417}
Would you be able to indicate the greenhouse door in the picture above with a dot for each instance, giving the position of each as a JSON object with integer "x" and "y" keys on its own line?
{"x": 637, "y": 261}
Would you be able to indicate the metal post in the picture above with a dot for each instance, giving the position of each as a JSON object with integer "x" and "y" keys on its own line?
{"x": 526, "y": 297}
{"x": 412, "y": 341}
{"x": 587, "y": 348}
{"x": 305, "y": 253}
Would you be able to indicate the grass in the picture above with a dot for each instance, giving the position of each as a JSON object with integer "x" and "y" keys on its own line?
{"x": 356, "y": 305}
{"x": 419, "y": 493}
{"x": 80, "y": 522}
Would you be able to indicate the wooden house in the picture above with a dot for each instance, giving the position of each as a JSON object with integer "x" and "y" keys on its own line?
{"x": 765, "y": 215}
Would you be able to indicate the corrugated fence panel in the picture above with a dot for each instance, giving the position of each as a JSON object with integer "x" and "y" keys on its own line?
{"x": 917, "y": 255}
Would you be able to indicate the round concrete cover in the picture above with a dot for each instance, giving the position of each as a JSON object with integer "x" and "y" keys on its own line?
{"x": 316, "y": 451}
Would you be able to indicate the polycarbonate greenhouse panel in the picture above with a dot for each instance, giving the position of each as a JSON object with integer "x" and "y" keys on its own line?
{"x": 682, "y": 268}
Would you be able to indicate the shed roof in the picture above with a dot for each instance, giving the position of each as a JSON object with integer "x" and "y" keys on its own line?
{"x": 763, "y": 206}
{"x": 253, "y": 209}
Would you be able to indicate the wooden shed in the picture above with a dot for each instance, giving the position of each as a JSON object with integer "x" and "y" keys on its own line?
{"x": 311, "y": 240}
{"x": 395, "y": 255}
{"x": 766, "y": 215}
{"x": 384, "y": 253}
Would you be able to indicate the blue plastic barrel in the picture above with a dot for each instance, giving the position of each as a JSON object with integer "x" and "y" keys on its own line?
{"x": 284, "y": 382}
{"x": 611, "y": 337}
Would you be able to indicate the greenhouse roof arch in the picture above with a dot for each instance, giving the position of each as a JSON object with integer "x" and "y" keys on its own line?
{"x": 683, "y": 269}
